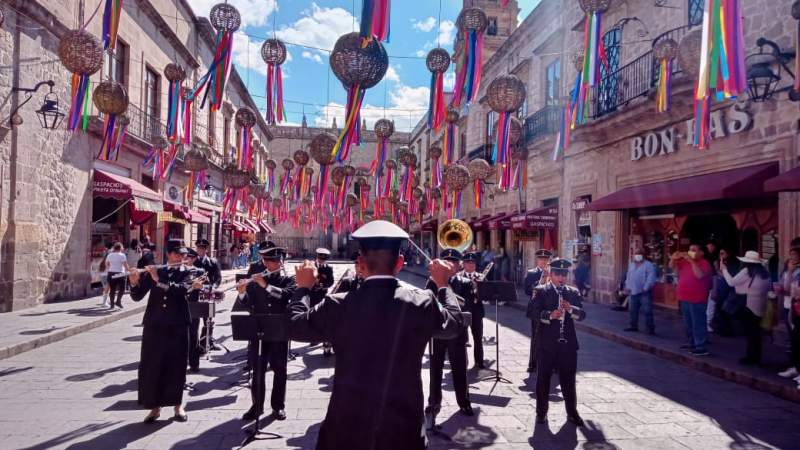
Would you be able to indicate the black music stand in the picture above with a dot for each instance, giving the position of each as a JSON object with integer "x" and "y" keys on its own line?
{"x": 206, "y": 311}
{"x": 259, "y": 328}
{"x": 496, "y": 292}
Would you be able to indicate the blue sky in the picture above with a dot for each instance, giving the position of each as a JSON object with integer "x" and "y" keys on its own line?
{"x": 403, "y": 93}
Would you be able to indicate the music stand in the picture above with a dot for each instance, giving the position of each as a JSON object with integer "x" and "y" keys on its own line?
{"x": 496, "y": 291}
{"x": 260, "y": 328}
{"x": 206, "y": 311}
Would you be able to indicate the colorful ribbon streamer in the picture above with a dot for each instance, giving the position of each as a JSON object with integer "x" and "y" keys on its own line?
{"x": 468, "y": 77}
{"x": 501, "y": 154}
{"x": 79, "y": 105}
{"x": 111, "y": 16}
{"x": 174, "y": 103}
{"x": 375, "y": 20}
{"x": 436, "y": 107}
{"x": 664, "y": 88}
{"x": 351, "y": 131}
{"x": 214, "y": 80}
{"x": 275, "y": 110}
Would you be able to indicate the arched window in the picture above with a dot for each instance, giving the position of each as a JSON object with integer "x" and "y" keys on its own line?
{"x": 695, "y": 11}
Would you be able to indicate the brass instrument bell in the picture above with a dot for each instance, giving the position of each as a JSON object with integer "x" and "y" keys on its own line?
{"x": 454, "y": 234}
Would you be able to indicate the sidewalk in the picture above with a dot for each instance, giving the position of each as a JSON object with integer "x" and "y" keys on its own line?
{"x": 725, "y": 352}
{"x": 27, "y": 329}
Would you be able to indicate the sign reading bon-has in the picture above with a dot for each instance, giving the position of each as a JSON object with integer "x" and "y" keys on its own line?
{"x": 664, "y": 142}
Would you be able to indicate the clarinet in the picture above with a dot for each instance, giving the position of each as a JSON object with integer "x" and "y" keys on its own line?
{"x": 561, "y": 338}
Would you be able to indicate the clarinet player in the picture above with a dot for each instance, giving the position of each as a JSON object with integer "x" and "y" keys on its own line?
{"x": 535, "y": 277}
{"x": 557, "y": 306}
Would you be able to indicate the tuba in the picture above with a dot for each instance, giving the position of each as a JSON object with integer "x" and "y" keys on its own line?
{"x": 454, "y": 234}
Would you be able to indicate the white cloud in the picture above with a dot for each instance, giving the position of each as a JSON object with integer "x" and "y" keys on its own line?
{"x": 406, "y": 107}
{"x": 391, "y": 75}
{"x": 254, "y": 12}
{"x": 447, "y": 33}
{"x": 247, "y": 53}
{"x": 312, "y": 56}
{"x": 425, "y": 25}
{"x": 421, "y": 53}
{"x": 319, "y": 27}
{"x": 449, "y": 81}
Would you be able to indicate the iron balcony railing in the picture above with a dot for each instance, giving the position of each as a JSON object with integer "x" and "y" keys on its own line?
{"x": 482, "y": 151}
{"x": 543, "y": 122}
{"x": 144, "y": 126}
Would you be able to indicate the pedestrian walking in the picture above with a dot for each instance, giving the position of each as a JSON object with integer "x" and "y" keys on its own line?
{"x": 790, "y": 289}
{"x": 694, "y": 284}
{"x": 103, "y": 271}
{"x": 117, "y": 263}
{"x": 133, "y": 253}
{"x": 752, "y": 281}
{"x": 639, "y": 282}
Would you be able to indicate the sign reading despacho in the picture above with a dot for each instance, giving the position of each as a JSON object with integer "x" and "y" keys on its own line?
{"x": 664, "y": 142}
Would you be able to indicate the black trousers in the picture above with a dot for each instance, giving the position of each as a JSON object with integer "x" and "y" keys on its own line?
{"x": 456, "y": 351}
{"x": 477, "y": 338}
{"x": 532, "y": 357}
{"x": 796, "y": 343}
{"x": 162, "y": 369}
{"x": 752, "y": 334}
{"x": 276, "y": 355}
{"x": 565, "y": 359}
{"x": 117, "y": 288}
{"x": 203, "y": 332}
{"x": 194, "y": 344}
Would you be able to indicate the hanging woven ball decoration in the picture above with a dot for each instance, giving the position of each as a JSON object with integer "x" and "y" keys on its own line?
{"x": 577, "y": 60}
{"x": 689, "y": 53}
{"x": 196, "y": 158}
{"x": 110, "y": 97}
{"x": 235, "y": 178}
{"x": 309, "y": 172}
{"x": 452, "y": 115}
{"x": 515, "y": 130}
{"x": 666, "y": 49}
{"x": 403, "y": 154}
{"x": 435, "y": 152}
{"x": 273, "y": 51}
{"x": 301, "y": 157}
{"x": 351, "y": 199}
{"x": 438, "y": 60}
{"x": 457, "y": 177}
{"x": 287, "y": 164}
{"x": 384, "y": 128}
{"x": 479, "y": 169}
{"x": 472, "y": 19}
{"x": 257, "y": 190}
{"x": 349, "y": 170}
{"x": 225, "y": 17}
{"x": 337, "y": 175}
{"x": 245, "y": 117}
{"x": 320, "y": 148}
{"x": 391, "y": 164}
{"x": 174, "y": 72}
{"x": 590, "y": 6}
{"x": 271, "y": 164}
{"x": 356, "y": 65}
{"x": 80, "y": 52}
{"x": 506, "y": 93}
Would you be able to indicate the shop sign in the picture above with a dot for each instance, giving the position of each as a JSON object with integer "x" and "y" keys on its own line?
{"x": 541, "y": 218}
{"x": 167, "y": 216}
{"x": 581, "y": 203}
{"x": 597, "y": 244}
{"x": 110, "y": 189}
{"x": 664, "y": 142}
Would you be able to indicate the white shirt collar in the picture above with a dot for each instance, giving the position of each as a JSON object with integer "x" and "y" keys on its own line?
{"x": 381, "y": 277}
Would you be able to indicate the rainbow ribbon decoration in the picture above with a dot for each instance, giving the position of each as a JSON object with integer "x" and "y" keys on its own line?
{"x": 520, "y": 180}
{"x": 214, "y": 80}
{"x": 568, "y": 118}
{"x": 375, "y": 20}
{"x": 322, "y": 183}
{"x": 501, "y": 154}
{"x": 468, "y": 76}
{"x": 436, "y": 173}
{"x": 187, "y": 121}
{"x": 79, "y": 106}
{"x": 113, "y": 138}
{"x": 664, "y": 88}
{"x": 244, "y": 148}
{"x": 436, "y": 107}
{"x": 275, "y": 112}
{"x": 376, "y": 167}
{"x": 195, "y": 179}
{"x": 174, "y": 103}
{"x": 593, "y": 56}
{"x": 351, "y": 131}
{"x": 111, "y": 16}
{"x": 455, "y": 205}
{"x": 477, "y": 193}
{"x": 448, "y": 150}
{"x": 722, "y": 69}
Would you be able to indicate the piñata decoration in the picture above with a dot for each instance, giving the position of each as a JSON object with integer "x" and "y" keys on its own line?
{"x": 505, "y": 95}
{"x": 273, "y": 52}
{"x": 175, "y": 74}
{"x": 226, "y": 20}
{"x": 375, "y": 20}
{"x": 594, "y": 52}
{"x": 358, "y": 68}
{"x": 722, "y": 72}
{"x": 479, "y": 170}
{"x": 664, "y": 51}
{"x": 457, "y": 178}
{"x": 449, "y": 138}
{"x": 111, "y": 99}
{"x": 438, "y": 61}
{"x": 82, "y": 54}
{"x": 472, "y": 23}
{"x": 689, "y": 53}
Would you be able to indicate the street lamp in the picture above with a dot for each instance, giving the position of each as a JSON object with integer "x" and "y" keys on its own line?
{"x": 49, "y": 114}
{"x": 765, "y": 69}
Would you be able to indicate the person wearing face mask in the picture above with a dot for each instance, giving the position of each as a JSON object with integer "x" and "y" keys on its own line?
{"x": 694, "y": 284}
{"x": 639, "y": 283}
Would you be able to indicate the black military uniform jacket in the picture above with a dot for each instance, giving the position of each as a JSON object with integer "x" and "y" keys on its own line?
{"x": 348, "y": 284}
{"x": 470, "y": 294}
{"x": 168, "y": 302}
{"x": 211, "y": 266}
{"x": 546, "y": 300}
{"x": 272, "y": 300}
{"x": 532, "y": 279}
{"x": 461, "y": 287}
{"x": 324, "y": 281}
{"x": 379, "y": 334}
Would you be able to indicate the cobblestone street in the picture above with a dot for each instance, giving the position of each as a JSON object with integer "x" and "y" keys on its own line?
{"x": 80, "y": 393}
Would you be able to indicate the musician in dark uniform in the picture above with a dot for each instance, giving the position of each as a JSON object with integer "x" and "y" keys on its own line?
{"x": 195, "y": 346}
{"x": 212, "y": 268}
{"x": 324, "y": 281}
{"x": 351, "y": 282}
{"x": 473, "y": 305}
{"x": 268, "y": 293}
{"x": 557, "y": 343}
{"x": 455, "y": 348}
{"x": 379, "y": 333}
{"x": 532, "y": 279}
{"x": 165, "y": 338}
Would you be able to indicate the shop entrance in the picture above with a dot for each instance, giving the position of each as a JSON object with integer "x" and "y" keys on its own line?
{"x": 720, "y": 228}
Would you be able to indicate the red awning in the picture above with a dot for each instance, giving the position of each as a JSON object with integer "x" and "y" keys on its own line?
{"x": 264, "y": 226}
{"x": 483, "y": 222}
{"x": 109, "y": 185}
{"x": 745, "y": 182}
{"x": 251, "y": 226}
{"x": 235, "y": 225}
{"x": 546, "y": 217}
{"x": 501, "y": 222}
{"x": 785, "y": 182}
{"x": 195, "y": 216}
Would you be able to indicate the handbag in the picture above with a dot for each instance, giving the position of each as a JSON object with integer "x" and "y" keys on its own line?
{"x": 734, "y": 302}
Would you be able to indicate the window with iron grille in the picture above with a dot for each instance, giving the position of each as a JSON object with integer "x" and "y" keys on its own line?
{"x": 552, "y": 83}
{"x": 152, "y": 104}
{"x": 609, "y": 78}
{"x": 116, "y": 63}
{"x": 695, "y": 10}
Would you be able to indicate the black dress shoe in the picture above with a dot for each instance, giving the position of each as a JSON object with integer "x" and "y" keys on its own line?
{"x": 181, "y": 417}
{"x": 467, "y": 411}
{"x": 279, "y": 414}
{"x": 575, "y": 420}
{"x": 251, "y": 414}
{"x": 541, "y": 419}
{"x": 194, "y": 370}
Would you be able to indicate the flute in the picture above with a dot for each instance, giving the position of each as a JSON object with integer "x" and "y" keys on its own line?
{"x": 248, "y": 280}
{"x": 159, "y": 266}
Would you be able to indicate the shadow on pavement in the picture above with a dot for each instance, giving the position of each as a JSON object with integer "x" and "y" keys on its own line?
{"x": 100, "y": 373}
{"x": 13, "y": 370}
{"x": 71, "y": 435}
{"x": 463, "y": 432}
{"x": 119, "y": 438}
{"x": 39, "y": 332}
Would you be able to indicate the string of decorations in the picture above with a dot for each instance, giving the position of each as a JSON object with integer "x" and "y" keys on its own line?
{"x": 594, "y": 52}
{"x": 665, "y": 51}
{"x": 375, "y": 21}
{"x": 273, "y": 52}
{"x": 226, "y": 20}
{"x": 472, "y": 23}
{"x": 438, "y": 61}
{"x": 505, "y": 95}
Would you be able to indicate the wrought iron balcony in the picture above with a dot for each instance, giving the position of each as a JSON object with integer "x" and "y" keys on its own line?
{"x": 482, "y": 151}
{"x": 542, "y": 123}
{"x": 144, "y": 126}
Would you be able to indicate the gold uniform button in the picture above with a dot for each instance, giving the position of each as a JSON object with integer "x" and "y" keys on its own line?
{"x": 164, "y": 305}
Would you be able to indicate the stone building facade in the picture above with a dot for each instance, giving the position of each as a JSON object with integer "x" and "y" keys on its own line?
{"x": 48, "y": 211}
